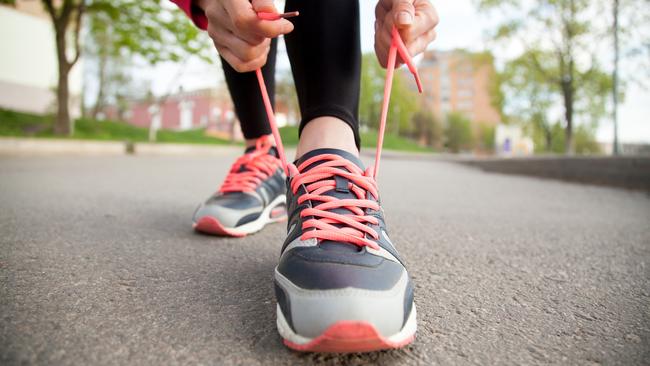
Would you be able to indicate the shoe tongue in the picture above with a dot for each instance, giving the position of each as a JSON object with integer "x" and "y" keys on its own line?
{"x": 340, "y": 192}
{"x": 272, "y": 151}
{"x": 342, "y": 153}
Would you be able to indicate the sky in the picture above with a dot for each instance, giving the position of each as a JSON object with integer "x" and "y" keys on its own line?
{"x": 460, "y": 27}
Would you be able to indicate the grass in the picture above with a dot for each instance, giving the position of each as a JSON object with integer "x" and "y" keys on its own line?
{"x": 18, "y": 124}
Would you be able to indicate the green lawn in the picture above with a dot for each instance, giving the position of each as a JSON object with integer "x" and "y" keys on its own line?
{"x": 17, "y": 124}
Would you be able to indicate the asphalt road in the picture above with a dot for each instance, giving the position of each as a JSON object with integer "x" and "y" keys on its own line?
{"x": 99, "y": 265}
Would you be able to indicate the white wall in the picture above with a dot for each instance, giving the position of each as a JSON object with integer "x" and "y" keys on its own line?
{"x": 28, "y": 64}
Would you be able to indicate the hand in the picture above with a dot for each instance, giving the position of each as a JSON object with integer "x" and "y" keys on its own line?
{"x": 241, "y": 38}
{"x": 416, "y": 21}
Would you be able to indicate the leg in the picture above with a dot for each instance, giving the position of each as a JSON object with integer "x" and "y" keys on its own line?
{"x": 325, "y": 54}
{"x": 340, "y": 284}
{"x": 246, "y": 97}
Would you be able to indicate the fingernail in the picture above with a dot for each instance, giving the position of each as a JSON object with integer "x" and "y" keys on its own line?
{"x": 404, "y": 18}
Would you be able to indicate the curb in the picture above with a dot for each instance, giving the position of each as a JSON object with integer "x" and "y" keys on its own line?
{"x": 54, "y": 147}
{"x": 47, "y": 147}
{"x": 631, "y": 172}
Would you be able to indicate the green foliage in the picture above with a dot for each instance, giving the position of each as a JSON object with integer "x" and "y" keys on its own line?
{"x": 558, "y": 65}
{"x": 372, "y": 89}
{"x": 486, "y": 136}
{"x": 24, "y": 124}
{"x": 585, "y": 140}
{"x": 404, "y": 100}
{"x": 124, "y": 30}
{"x": 18, "y": 124}
{"x": 458, "y": 132}
{"x": 146, "y": 28}
{"x": 427, "y": 129}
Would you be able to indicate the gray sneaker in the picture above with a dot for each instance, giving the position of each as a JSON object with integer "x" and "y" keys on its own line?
{"x": 251, "y": 196}
{"x": 340, "y": 284}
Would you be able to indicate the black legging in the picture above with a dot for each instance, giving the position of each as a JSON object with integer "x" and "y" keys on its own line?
{"x": 325, "y": 54}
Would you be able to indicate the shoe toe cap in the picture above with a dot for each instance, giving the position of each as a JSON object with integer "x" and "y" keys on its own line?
{"x": 314, "y": 295}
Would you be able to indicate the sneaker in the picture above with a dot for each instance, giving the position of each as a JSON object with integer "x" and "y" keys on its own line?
{"x": 340, "y": 284}
{"x": 251, "y": 196}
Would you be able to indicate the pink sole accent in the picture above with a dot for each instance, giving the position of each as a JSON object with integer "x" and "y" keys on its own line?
{"x": 210, "y": 225}
{"x": 278, "y": 213}
{"x": 347, "y": 337}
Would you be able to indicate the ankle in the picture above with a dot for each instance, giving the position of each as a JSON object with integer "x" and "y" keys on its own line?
{"x": 326, "y": 133}
{"x": 253, "y": 142}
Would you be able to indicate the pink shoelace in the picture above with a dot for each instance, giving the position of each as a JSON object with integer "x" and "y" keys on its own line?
{"x": 248, "y": 172}
{"x": 325, "y": 224}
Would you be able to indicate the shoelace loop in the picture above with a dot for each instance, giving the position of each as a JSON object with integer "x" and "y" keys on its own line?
{"x": 250, "y": 169}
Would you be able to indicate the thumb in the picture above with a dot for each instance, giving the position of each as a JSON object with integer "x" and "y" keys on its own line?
{"x": 266, "y": 6}
{"x": 404, "y": 13}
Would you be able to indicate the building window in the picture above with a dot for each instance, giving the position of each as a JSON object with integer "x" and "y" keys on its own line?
{"x": 465, "y": 93}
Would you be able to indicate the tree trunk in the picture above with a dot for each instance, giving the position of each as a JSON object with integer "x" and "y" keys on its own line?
{"x": 615, "y": 80}
{"x": 99, "y": 102}
{"x": 548, "y": 138}
{"x": 63, "y": 124}
{"x": 568, "y": 117}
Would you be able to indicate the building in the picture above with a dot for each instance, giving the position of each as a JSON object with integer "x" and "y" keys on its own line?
{"x": 28, "y": 66}
{"x": 459, "y": 81}
{"x": 509, "y": 140}
{"x": 209, "y": 109}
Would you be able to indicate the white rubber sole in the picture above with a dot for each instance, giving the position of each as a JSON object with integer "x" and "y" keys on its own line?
{"x": 298, "y": 342}
{"x": 212, "y": 226}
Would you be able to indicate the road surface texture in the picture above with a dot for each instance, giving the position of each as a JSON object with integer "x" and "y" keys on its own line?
{"x": 99, "y": 265}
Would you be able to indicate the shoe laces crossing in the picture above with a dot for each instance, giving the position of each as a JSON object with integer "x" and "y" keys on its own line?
{"x": 250, "y": 169}
{"x": 323, "y": 223}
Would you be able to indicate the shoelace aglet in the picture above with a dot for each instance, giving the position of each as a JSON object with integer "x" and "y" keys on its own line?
{"x": 275, "y": 16}
{"x": 406, "y": 57}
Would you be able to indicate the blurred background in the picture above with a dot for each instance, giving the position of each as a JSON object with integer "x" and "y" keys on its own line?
{"x": 504, "y": 77}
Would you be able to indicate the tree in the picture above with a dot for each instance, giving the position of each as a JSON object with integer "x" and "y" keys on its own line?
{"x": 285, "y": 93}
{"x": 147, "y": 28}
{"x": 459, "y": 133}
{"x": 559, "y": 42}
{"x": 427, "y": 129}
{"x": 404, "y": 100}
{"x": 121, "y": 31}
{"x": 630, "y": 33}
{"x": 486, "y": 135}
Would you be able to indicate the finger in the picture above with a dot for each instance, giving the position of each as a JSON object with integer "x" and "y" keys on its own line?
{"x": 241, "y": 65}
{"x": 384, "y": 35}
{"x": 403, "y": 13}
{"x": 380, "y": 11}
{"x": 421, "y": 43}
{"x": 248, "y": 25}
{"x": 266, "y": 6}
{"x": 271, "y": 28}
{"x": 386, "y": 4}
{"x": 239, "y": 47}
{"x": 426, "y": 19}
{"x": 382, "y": 54}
